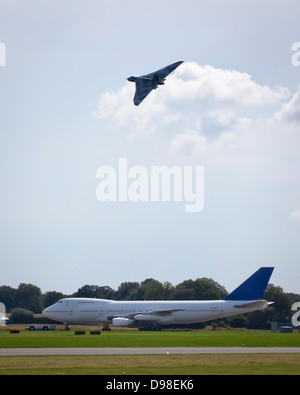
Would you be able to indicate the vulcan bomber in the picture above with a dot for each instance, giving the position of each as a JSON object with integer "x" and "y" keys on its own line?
{"x": 146, "y": 83}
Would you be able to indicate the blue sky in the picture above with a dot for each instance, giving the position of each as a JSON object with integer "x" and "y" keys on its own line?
{"x": 66, "y": 109}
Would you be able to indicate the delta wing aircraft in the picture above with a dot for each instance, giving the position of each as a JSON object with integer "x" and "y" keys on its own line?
{"x": 152, "y": 314}
{"x": 146, "y": 83}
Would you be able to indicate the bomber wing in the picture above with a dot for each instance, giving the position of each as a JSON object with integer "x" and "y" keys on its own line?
{"x": 143, "y": 86}
{"x": 164, "y": 72}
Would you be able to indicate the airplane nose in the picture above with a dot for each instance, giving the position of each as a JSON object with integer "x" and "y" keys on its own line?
{"x": 44, "y": 312}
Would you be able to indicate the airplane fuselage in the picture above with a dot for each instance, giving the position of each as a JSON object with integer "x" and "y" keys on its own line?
{"x": 134, "y": 313}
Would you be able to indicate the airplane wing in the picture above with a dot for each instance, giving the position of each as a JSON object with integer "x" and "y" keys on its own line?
{"x": 154, "y": 315}
{"x": 165, "y": 71}
{"x": 149, "y": 316}
{"x": 165, "y": 312}
{"x": 143, "y": 87}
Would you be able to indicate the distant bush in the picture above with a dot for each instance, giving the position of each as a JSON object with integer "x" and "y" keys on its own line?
{"x": 21, "y": 316}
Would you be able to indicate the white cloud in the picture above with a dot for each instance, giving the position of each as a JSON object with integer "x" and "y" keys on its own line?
{"x": 219, "y": 118}
{"x": 290, "y": 111}
{"x": 200, "y": 98}
{"x": 194, "y": 82}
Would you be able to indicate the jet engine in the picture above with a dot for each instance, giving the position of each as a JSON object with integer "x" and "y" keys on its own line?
{"x": 124, "y": 322}
{"x": 158, "y": 80}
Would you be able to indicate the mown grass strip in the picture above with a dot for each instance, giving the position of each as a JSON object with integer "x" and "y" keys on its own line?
{"x": 236, "y": 364}
{"x": 61, "y": 339}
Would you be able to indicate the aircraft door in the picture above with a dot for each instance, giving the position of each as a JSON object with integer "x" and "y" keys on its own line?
{"x": 70, "y": 308}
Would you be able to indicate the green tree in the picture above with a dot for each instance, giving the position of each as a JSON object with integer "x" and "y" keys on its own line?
{"x": 7, "y": 296}
{"x": 52, "y": 297}
{"x": 126, "y": 289}
{"x": 184, "y": 291}
{"x": 29, "y": 296}
{"x": 154, "y": 290}
{"x": 87, "y": 291}
{"x": 200, "y": 289}
{"x": 168, "y": 289}
{"x": 21, "y": 316}
{"x": 280, "y": 311}
{"x": 139, "y": 293}
{"x": 282, "y": 303}
{"x": 208, "y": 289}
{"x": 105, "y": 292}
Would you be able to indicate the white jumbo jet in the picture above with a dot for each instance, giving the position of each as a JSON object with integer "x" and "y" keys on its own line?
{"x": 151, "y": 314}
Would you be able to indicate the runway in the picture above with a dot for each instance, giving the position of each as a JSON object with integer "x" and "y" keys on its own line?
{"x": 146, "y": 351}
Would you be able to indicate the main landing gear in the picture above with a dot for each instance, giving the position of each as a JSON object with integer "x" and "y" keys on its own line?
{"x": 150, "y": 327}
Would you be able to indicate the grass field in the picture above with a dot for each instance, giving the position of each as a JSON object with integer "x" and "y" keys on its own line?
{"x": 250, "y": 364}
{"x": 28, "y": 339}
{"x": 235, "y": 364}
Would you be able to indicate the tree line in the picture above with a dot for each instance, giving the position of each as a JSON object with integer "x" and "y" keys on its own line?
{"x": 30, "y": 297}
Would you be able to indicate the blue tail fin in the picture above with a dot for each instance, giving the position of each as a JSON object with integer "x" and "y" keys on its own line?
{"x": 254, "y": 287}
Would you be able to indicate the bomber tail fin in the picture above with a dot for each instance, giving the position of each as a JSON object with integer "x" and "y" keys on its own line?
{"x": 254, "y": 287}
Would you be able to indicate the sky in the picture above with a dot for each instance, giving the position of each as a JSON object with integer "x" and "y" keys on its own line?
{"x": 66, "y": 109}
